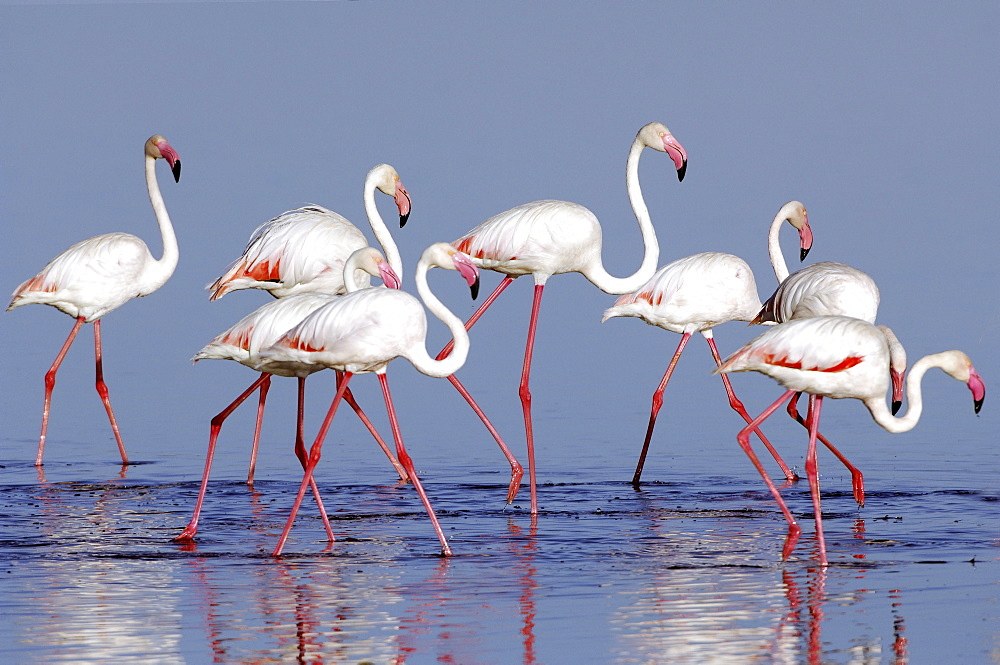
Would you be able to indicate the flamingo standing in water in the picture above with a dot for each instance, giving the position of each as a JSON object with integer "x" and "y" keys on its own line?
{"x": 829, "y": 288}
{"x": 545, "y": 238}
{"x": 261, "y": 328}
{"x": 839, "y": 357}
{"x": 98, "y": 275}
{"x": 305, "y": 249}
{"x": 362, "y": 332}
{"x": 699, "y": 292}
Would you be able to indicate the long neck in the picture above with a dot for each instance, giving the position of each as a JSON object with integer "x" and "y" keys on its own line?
{"x": 382, "y": 233}
{"x": 160, "y": 271}
{"x": 423, "y": 361}
{"x": 914, "y": 398}
{"x": 618, "y": 285}
{"x": 774, "y": 248}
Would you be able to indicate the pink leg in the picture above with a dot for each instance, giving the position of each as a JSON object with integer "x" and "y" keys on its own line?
{"x": 740, "y": 409}
{"x": 744, "y": 440}
{"x": 516, "y": 470}
{"x": 404, "y": 457}
{"x": 525, "y": 394}
{"x": 812, "y": 473}
{"x": 657, "y": 403}
{"x": 262, "y": 382}
{"x": 300, "y": 453}
{"x": 192, "y": 528}
{"x": 314, "y": 455}
{"x": 264, "y": 386}
{"x": 102, "y": 390}
{"x": 857, "y": 478}
{"x": 349, "y": 398}
{"x": 50, "y": 382}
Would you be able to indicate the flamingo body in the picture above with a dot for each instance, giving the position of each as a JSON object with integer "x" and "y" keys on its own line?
{"x": 304, "y": 250}
{"x": 827, "y": 288}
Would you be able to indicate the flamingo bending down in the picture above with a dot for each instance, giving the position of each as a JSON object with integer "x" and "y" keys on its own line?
{"x": 546, "y": 238}
{"x": 98, "y": 275}
{"x": 362, "y": 332}
{"x": 261, "y": 328}
{"x": 839, "y": 357}
{"x": 699, "y": 292}
{"x": 829, "y": 288}
{"x": 305, "y": 249}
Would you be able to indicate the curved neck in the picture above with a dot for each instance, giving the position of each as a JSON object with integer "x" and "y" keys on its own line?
{"x": 382, "y": 233}
{"x": 914, "y": 398}
{"x": 598, "y": 276}
{"x": 162, "y": 269}
{"x": 774, "y": 248}
{"x": 424, "y": 363}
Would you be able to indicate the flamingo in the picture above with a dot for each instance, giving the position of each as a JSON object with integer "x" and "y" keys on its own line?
{"x": 98, "y": 275}
{"x": 362, "y": 332}
{"x": 305, "y": 249}
{"x": 261, "y": 328}
{"x": 699, "y": 292}
{"x": 825, "y": 289}
{"x": 545, "y": 238}
{"x": 838, "y": 357}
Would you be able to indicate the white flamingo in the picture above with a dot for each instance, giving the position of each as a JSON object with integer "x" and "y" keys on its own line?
{"x": 305, "y": 249}
{"x": 839, "y": 357}
{"x": 545, "y": 238}
{"x": 699, "y": 292}
{"x": 261, "y": 328}
{"x": 98, "y": 275}
{"x": 362, "y": 332}
{"x": 829, "y": 288}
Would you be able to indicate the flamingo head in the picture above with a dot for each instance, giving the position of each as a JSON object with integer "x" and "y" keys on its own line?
{"x": 444, "y": 255}
{"x": 978, "y": 388}
{"x": 158, "y": 148}
{"x": 371, "y": 261}
{"x": 797, "y": 216}
{"x": 387, "y": 181}
{"x": 655, "y": 135}
{"x": 897, "y": 389}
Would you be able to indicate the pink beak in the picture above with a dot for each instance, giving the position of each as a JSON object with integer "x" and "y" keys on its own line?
{"x": 173, "y": 159}
{"x": 403, "y": 203}
{"x": 805, "y": 239}
{"x": 389, "y": 276}
{"x": 978, "y": 388}
{"x": 469, "y": 271}
{"x": 677, "y": 153}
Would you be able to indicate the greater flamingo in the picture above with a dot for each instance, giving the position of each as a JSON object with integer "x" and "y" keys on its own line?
{"x": 98, "y": 275}
{"x": 305, "y": 249}
{"x": 839, "y": 357}
{"x": 362, "y": 332}
{"x": 261, "y": 328}
{"x": 697, "y": 293}
{"x": 830, "y": 288}
{"x": 545, "y": 238}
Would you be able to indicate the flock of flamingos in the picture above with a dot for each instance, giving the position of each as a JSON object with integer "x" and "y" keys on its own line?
{"x": 821, "y": 341}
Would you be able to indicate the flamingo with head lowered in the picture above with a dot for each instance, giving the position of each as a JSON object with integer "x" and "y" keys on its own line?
{"x": 98, "y": 275}
{"x": 363, "y": 332}
{"x": 839, "y": 357}
{"x": 546, "y": 238}
{"x": 261, "y": 328}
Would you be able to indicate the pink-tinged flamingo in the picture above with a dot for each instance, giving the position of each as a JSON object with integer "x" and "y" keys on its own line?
{"x": 362, "y": 332}
{"x": 545, "y": 238}
{"x": 98, "y": 275}
{"x": 304, "y": 250}
{"x": 699, "y": 292}
{"x": 829, "y": 288}
{"x": 839, "y": 357}
{"x": 261, "y": 328}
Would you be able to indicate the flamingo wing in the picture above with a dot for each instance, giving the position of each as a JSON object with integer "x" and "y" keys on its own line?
{"x": 823, "y": 289}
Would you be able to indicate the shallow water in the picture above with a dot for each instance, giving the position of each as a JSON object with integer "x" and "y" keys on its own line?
{"x": 684, "y": 570}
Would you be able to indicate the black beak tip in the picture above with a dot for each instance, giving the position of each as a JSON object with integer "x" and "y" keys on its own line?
{"x": 176, "y": 170}
{"x": 475, "y": 289}
{"x": 803, "y": 253}
{"x": 978, "y": 404}
{"x": 895, "y": 407}
{"x": 681, "y": 171}
{"x": 402, "y": 220}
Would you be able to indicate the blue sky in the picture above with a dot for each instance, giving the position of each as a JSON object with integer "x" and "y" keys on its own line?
{"x": 876, "y": 116}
